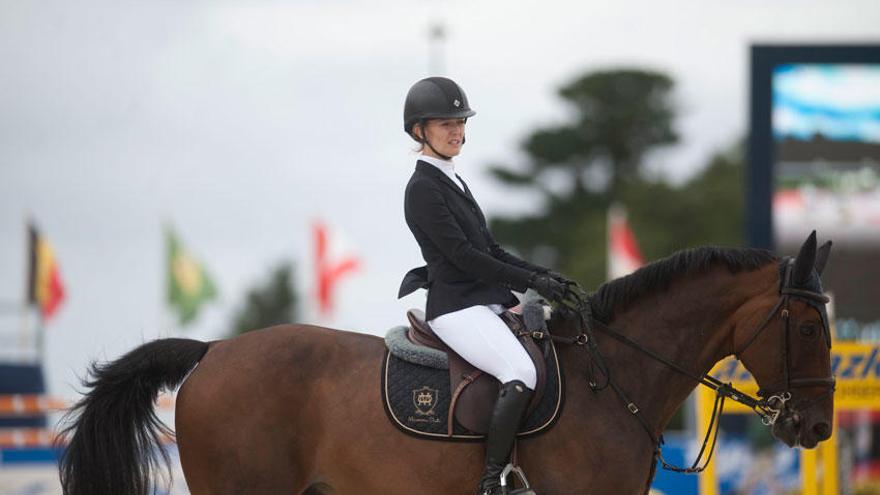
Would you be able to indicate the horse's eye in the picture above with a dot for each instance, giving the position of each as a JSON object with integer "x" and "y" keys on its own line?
{"x": 808, "y": 330}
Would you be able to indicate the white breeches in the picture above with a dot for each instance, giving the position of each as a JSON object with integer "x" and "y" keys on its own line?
{"x": 482, "y": 338}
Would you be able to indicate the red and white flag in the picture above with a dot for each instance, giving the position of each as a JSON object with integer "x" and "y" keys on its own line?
{"x": 624, "y": 256}
{"x": 333, "y": 260}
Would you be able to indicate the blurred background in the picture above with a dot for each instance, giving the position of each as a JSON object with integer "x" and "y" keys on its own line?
{"x": 201, "y": 169}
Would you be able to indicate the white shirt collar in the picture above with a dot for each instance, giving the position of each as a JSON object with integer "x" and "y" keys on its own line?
{"x": 447, "y": 166}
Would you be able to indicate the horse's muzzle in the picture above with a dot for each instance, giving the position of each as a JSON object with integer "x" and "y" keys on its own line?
{"x": 796, "y": 429}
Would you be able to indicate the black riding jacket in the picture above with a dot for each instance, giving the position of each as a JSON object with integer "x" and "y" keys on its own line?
{"x": 465, "y": 265}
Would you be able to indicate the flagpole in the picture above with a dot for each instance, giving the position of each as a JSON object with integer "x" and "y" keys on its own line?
{"x": 436, "y": 37}
{"x": 608, "y": 249}
{"x": 27, "y": 275}
{"x": 40, "y": 340}
{"x": 23, "y": 333}
{"x": 167, "y": 323}
{"x": 164, "y": 313}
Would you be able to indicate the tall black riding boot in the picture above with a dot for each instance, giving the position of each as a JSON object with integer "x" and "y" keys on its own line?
{"x": 513, "y": 398}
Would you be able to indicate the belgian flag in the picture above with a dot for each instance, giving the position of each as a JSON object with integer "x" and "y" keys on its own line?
{"x": 45, "y": 288}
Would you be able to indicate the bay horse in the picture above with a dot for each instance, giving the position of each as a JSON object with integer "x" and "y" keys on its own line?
{"x": 296, "y": 409}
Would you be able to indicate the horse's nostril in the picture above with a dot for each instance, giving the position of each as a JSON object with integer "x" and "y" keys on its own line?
{"x": 822, "y": 431}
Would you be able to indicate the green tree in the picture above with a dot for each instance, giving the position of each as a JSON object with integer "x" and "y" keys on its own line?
{"x": 270, "y": 304}
{"x": 619, "y": 118}
{"x": 705, "y": 210}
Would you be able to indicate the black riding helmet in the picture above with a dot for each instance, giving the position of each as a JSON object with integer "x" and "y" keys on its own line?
{"x": 434, "y": 98}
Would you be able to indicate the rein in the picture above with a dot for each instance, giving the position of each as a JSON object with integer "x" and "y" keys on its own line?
{"x": 769, "y": 406}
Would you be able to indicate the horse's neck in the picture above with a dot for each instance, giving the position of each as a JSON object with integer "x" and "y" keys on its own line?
{"x": 690, "y": 324}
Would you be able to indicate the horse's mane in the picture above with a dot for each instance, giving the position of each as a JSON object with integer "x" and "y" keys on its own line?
{"x": 619, "y": 293}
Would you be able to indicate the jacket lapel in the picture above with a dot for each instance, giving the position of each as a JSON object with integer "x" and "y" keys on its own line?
{"x": 439, "y": 175}
{"x": 466, "y": 189}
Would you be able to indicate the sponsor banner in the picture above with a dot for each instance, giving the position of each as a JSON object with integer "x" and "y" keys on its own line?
{"x": 856, "y": 367}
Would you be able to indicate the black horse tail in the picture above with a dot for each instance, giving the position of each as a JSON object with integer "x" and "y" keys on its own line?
{"x": 114, "y": 434}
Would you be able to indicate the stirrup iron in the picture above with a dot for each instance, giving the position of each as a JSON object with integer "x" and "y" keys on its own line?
{"x": 525, "y": 490}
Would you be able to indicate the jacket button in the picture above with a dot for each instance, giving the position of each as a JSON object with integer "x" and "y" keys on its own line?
{"x": 473, "y": 209}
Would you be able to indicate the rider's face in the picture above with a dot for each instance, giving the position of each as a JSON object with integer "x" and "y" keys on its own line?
{"x": 445, "y": 135}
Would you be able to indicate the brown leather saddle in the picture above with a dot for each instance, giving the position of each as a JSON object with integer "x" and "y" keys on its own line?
{"x": 473, "y": 392}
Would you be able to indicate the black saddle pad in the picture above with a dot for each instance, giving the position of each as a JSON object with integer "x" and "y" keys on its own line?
{"x": 417, "y": 399}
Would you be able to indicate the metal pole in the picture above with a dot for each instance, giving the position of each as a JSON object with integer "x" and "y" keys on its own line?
{"x": 25, "y": 330}
{"x": 708, "y": 482}
{"x": 436, "y": 39}
{"x": 809, "y": 484}
{"x": 25, "y": 308}
{"x": 830, "y": 470}
{"x": 40, "y": 338}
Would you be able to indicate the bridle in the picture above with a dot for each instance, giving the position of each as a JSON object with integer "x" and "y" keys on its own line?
{"x": 769, "y": 404}
{"x": 777, "y": 394}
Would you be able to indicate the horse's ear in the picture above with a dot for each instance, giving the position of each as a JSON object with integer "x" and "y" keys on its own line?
{"x": 806, "y": 258}
{"x": 822, "y": 256}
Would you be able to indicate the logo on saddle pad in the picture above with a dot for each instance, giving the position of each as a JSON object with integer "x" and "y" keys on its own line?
{"x": 425, "y": 399}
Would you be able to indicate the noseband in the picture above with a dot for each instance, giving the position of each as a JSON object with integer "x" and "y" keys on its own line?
{"x": 771, "y": 400}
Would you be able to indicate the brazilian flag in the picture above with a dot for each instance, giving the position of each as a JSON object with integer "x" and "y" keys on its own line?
{"x": 189, "y": 285}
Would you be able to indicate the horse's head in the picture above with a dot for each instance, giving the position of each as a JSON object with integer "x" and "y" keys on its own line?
{"x": 786, "y": 345}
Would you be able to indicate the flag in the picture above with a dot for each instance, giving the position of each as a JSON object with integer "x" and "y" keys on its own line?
{"x": 623, "y": 252}
{"x": 332, "y": 261}
{"x": 189, "y": 285}
{"x": 45, "y": 288}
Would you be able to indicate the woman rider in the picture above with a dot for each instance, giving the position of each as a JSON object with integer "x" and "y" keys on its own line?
{"x": 469, "y": 276}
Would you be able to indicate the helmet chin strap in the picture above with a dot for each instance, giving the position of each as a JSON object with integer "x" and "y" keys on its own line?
{"x": 424, "y": 140}
{"x": 441, "y": 155}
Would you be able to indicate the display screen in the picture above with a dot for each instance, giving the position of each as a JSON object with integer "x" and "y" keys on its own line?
{"x": 825, "y": 158}
{"x": 814, "y": 164}
{"x": 826, "y": 133}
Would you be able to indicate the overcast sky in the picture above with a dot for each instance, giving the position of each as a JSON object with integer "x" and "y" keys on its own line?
{"x": 242, "y": 122}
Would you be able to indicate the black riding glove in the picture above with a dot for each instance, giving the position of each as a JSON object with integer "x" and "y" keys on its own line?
{"x": 562, "y": 279}
{"x": 547, "y": 287}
